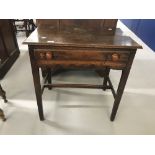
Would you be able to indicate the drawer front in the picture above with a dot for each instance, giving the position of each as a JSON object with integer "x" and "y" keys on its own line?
{"x": 113, "y": 59}
{"x": 79, "y": 55}
{"x": 70, "y": 55}
{"x": 114, "y": 56}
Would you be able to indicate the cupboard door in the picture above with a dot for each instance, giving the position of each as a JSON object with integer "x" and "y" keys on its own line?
{"x": 3, "y": 55}
{"x": 9, "y": 50}
{"x": 8, "y": 36}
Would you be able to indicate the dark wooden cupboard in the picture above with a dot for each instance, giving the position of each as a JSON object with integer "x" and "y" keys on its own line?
{"x": 9, "y": 50}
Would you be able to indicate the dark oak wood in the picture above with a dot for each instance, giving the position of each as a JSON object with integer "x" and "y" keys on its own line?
{"x": 9, "y": 50}
{"x": 107, "y": 71}
{"x": 37, "y": 86}
{"x": 3, "y": 94}
{"x": 77, "y": 86}
{"x": 111, "y": 86}
{"x": 80, "y": 44}
{"x": 49, "y": 76}
{"x": 2, "y": 116}
{"x": 78, "y": 64}
{"x": 122, "y": 83}
{"x": 79, "y": 38}
{"x": 104, "y": 26}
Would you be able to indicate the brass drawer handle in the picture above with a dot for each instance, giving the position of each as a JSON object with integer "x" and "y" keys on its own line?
{"x": 115, "y": 57}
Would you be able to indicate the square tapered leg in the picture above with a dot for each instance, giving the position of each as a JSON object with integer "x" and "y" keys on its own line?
{"x": 3, "y": 94}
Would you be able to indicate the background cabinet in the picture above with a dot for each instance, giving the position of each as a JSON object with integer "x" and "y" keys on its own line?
{"x": 9, "y": 50}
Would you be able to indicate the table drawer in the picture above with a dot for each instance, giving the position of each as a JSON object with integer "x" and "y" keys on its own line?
{"x": 114, "y": 56}
{"x": 69, "y": 55}
{"x": 79, "y": 55}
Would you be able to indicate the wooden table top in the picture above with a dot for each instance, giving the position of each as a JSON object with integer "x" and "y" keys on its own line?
{"x": 78, "y": 37}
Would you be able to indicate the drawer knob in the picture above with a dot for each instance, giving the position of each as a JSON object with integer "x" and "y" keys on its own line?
{"x": 42, "y": 55}
{"x": 115, "y": 57}
{"x": 48, "y": 55}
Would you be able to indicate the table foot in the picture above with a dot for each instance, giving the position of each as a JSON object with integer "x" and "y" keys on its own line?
{"x": 2, "y": 116}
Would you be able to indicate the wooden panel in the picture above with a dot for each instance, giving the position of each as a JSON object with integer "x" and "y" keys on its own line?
{"x": 107, "y": 26}
{"x": 110, "y": 23}
{"x": 3, "y": 55}
{"x": 74, "y": 38}
{"x": 9, "y": 50}
{"x": 81, "y": 59}
{"x": 8, "y": 36}
{"x": 78, "y": 55}
{"x": 80, "y": 64}
{"x": 69, "y": 55}
{"x": 95, "y": 24}
{"x": 115, "y": 56}
{"x": 53, "y": 22}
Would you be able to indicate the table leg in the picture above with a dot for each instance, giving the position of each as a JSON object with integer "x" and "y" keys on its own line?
{"x": 121, "y": 86}
{"x": 49, "y": 78}
{"x": 37, "y": 85}
{"x": 2, "y": 116}
{"x": 106, "y": 75}
{"x": 3, "y": 94}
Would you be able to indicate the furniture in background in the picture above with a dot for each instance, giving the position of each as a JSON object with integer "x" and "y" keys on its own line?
{"x": 80, "y": 44}
{"x": 3, "y": 95}
{"x": 9, "y": 50}
{"x": 24, "y": 25}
